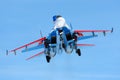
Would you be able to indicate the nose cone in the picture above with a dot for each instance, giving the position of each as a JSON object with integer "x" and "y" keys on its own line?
{"x": 55, "y": 17}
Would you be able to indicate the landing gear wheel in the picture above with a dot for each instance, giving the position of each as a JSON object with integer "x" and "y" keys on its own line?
{"x": 48, "y": 58}
{"x": 78, "y": 52}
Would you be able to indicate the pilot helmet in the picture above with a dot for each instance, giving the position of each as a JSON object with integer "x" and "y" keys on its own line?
{"x": 55, "y": 17}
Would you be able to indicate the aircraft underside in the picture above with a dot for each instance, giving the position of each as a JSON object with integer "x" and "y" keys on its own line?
{"x": 61, "y": 41}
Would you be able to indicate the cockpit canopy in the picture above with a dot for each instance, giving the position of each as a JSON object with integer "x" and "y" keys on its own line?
{"x": 55, "y": 17}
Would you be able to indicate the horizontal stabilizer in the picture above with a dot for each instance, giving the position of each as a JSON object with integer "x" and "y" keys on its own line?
{"x": 35, "y": 55}
{"x": 85, "y": 45}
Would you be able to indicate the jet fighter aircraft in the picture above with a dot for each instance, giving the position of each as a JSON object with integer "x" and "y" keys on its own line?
{"x": 61, "y": 38}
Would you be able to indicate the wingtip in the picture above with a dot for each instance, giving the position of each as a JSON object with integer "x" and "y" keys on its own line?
{"x": 6, "y": 52}
{"x": 112, "y": 30}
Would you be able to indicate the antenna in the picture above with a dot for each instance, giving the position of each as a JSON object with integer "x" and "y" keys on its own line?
{"x": 71, "y": 26}
{"x": 41, "y": 33}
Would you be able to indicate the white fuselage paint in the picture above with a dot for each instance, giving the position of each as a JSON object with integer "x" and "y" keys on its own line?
{"x": 60, "y": 22}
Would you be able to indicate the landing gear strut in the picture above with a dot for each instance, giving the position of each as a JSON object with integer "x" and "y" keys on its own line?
{"x": 48, "y": 58}
{"x": 78, "y": 52}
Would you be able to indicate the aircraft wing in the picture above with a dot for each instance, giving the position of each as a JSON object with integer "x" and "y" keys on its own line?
{"x": 92, "y": 30}
{"x": 33, "y": 48}
{"x": 40, "y": 45}
{"x": 82, "y": 37}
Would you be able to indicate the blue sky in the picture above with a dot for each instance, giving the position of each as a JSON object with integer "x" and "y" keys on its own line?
{"x": 22, "y": 20}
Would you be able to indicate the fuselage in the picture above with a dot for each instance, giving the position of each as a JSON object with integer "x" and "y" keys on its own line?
{"x": 60, "y": 37}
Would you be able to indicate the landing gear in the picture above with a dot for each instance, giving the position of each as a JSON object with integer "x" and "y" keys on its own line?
{"x": 48, "y": 58}
{"x": 46, "y": 43}
{"x": 78, "y": 52}
{"x": 69, "y": 37}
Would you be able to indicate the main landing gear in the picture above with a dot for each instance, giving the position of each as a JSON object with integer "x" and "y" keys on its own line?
{"x": 48, "y": 58}
{"x": 78, "y": 52}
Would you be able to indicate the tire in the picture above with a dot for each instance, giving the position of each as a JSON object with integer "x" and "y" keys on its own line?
{"x": 78, "y": 52}
{"x": 48, "y": 58}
